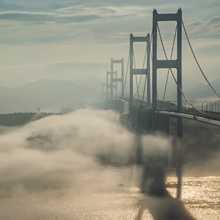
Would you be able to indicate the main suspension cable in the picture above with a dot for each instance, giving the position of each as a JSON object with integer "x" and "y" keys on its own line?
{"x": 187, "y": 37}
{"x": 125, "y": 80}
{"x": 151, "y": 54}
{"x": 170, "y": 59}
{"x": 190, "y": 103}
{"x": 145, "y": 54}
{"x": 145, "y": 81}
{"x": 137, "y": 92}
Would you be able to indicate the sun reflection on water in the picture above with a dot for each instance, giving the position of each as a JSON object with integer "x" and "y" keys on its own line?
{"x": 200, "y": 196}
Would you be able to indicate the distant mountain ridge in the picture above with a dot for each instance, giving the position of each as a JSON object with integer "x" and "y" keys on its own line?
{"x": 47, "y": 95}
{"x": 60, "y": 95}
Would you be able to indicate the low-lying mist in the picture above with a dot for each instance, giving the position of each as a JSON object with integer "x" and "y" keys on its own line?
{"x": 59, "y": 156}
{"x": 53, "y": 150}
{"x": 201, "y": 149}
{"x": 58, "y": 166}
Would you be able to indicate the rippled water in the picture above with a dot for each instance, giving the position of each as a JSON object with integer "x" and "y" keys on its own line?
{"x": 201, "y": 196}
{"x": 111, "y": 196}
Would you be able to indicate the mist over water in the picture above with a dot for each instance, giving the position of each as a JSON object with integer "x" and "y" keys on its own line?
{"x": 73, "y": 166}
{"x": 62, "y": 155}
{"x": 56, "y": 149}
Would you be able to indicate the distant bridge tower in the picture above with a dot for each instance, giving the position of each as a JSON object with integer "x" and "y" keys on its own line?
{"x": 109, "y": 84}
{"x": 113, "y": 80}
{"x": 120, "y": 79}
{"x": 133, "y": 71}
{"x": 158, "y": 64}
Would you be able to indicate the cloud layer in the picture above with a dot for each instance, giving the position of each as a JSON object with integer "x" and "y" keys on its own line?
{"x": 83, "y": 30}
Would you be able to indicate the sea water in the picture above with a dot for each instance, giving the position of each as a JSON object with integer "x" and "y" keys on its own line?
{"x": 111, "y": 196}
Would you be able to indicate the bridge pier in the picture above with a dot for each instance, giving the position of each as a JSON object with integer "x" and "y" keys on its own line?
{"x": 179, "y": 153}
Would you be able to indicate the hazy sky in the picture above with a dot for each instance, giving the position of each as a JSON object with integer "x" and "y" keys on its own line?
{"x": 75, "y": 40}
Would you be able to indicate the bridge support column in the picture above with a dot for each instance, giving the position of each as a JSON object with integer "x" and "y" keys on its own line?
{"x": 179, "y": 157}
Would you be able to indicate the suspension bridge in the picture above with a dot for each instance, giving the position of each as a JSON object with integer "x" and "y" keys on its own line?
{"x": 141, "y": 104}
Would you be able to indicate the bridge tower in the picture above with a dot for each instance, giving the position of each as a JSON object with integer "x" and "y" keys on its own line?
{"x": 157, "y": 64}
{"x": 114, "y": 80}
{"x": 121, "y": 78}
{"x": 109, "y": 84}
{"x": 133, "y": 71}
